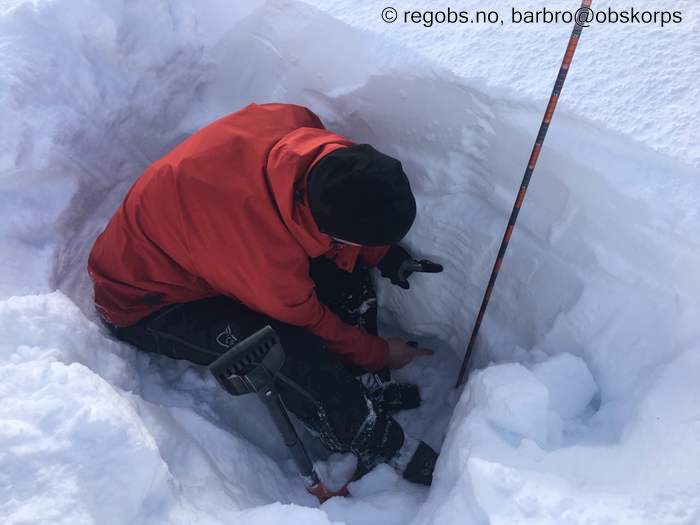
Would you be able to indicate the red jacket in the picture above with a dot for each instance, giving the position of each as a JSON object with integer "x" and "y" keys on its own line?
{"x": 224, "y": 214}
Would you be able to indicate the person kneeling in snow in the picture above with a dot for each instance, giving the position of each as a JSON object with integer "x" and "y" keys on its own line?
{"x": 265, "y": 217}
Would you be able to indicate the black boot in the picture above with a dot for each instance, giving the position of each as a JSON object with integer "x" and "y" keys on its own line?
{"x": 399, "y": 396}
{"x": 390, "y": 397}
{"x": 420, "y": 467}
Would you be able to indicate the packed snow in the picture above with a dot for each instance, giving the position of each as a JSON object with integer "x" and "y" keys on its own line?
{"x": 582, "y": 405}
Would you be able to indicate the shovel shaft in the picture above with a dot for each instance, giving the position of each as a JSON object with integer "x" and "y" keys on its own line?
{"x": 291, "y": 439}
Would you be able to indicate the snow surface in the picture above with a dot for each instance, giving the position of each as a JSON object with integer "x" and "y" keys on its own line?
{"x": 640, "y": 80}
{"x": 583, "y": 408}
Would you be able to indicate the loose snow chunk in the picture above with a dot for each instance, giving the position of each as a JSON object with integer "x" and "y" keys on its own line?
{"x": 510, "y": 495}
{"x": 379, "y": 498}
{"x": 513, "y": 400}
{"x": 570, "y": 383}
{"x": 336, "y": 470}
{"x": 73, "y": 449}
{"x": 51, "y": 327}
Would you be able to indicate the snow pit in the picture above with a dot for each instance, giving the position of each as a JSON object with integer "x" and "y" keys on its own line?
{"x": 569, "y": 382}
{"x": 583, "y": 404}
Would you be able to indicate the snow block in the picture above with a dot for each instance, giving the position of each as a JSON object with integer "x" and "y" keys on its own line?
{"x": 513, "y": 400}
{"x": 74, "y": 450}
{"x": 570, "y": 384}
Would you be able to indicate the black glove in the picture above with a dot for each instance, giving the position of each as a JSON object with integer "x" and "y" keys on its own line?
{"x": 398, "y": 265}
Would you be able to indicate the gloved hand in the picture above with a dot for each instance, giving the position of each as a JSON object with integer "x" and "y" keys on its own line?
{"x": 397, "y": 265}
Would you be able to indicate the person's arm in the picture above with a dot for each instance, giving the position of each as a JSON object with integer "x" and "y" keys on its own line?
{"x": 359, "y": 347}
{"x": 306, "y": 311}
{"x": 285, "y": 292}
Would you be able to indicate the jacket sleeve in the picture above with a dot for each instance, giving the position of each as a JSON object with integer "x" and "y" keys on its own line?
{"x": 353, "y": 343}
{"x": 363, "y": 349}
{"x": 288, "y": 295}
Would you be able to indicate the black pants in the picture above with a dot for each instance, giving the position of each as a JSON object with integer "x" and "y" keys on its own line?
{"x": 315, "y": 384}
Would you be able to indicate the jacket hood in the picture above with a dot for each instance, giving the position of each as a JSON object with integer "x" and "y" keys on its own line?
{"x": 288, "y": 165}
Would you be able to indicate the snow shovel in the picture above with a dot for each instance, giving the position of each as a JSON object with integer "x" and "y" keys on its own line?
{"x": 251, "y": 367}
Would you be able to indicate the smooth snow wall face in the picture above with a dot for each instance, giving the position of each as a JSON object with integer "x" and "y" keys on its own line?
{"x": 588, "y": 271}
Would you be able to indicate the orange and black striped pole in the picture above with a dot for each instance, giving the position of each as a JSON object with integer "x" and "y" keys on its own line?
{"x": 582, "y": 18}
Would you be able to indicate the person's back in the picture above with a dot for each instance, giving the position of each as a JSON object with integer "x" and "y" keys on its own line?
{"x": 157, "y": 248}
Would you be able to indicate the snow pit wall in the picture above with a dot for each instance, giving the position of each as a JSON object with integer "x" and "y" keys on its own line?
{"x": 588, "y": 270}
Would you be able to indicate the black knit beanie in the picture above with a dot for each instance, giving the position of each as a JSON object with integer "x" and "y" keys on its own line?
{"x": 360, "y": 195}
